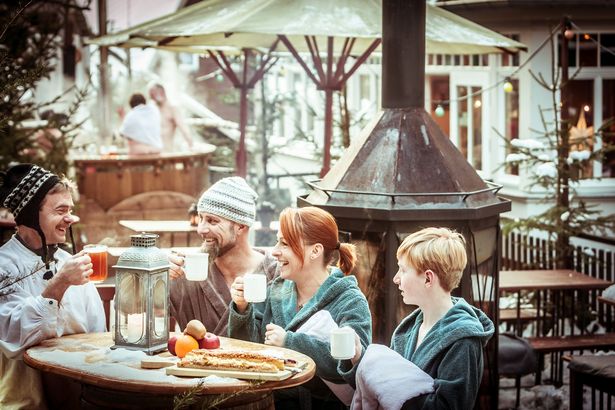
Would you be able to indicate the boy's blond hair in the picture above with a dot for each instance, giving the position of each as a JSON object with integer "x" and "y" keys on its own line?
{"x": 441, "y": 250}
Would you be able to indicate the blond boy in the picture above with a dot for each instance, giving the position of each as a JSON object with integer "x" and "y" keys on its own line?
{"x": 445, "y": 336}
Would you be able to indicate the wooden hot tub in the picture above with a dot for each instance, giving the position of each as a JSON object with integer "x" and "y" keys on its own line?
{"x": 143, "y": 187}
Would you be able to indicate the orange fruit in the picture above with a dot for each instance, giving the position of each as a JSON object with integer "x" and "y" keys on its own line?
{"x": 185, "y": 344}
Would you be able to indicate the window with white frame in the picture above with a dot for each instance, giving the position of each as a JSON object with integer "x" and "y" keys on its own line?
{"x": 298, "y": 90}
{"x": 458, "y": 60}
{"x": 591, "y": 98}
{"x": 365, "y": 91}
{"x": 580, "y": 98}
{"x": 608, "y": 111}
{"x": 511, "y": 122}
{"x": 511, "y": 59}
{"x": 469, "y": 124}
{"x": 590, "y": 50}
{"x": 439, "y": 95}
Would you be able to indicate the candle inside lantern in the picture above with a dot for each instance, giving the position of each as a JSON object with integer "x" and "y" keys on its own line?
{"x": 134, "y": 328}
{"x": 159, "y": 324}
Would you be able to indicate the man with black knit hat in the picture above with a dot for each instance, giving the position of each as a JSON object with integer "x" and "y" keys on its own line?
{"x": 226, "y": 212}
{"x": 44, "y": 291}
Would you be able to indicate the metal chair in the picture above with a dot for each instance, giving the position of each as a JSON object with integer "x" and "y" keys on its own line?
{"x": 516, "y": 358}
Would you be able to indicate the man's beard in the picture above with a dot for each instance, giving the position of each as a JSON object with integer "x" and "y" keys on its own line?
{"x": 215, "y": 250}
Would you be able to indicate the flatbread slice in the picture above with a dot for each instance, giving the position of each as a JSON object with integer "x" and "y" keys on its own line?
{"x": 231, "y": 360}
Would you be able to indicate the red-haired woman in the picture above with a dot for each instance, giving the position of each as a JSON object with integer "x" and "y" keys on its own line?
{"x": 307, "y": 245}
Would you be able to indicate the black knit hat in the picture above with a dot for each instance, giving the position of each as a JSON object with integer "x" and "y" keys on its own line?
{"x": 22, "y": 190}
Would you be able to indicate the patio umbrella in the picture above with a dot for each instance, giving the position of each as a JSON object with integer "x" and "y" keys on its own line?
{"x": 300, "y": 25}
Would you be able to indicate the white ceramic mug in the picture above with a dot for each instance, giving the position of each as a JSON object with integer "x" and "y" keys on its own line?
{"x": 196, "y": 266}
{"x": 254, "y": 287}
{"x": 342, "y": 343}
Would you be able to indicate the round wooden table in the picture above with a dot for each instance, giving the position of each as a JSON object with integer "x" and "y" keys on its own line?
{"x": 112, "y": 379}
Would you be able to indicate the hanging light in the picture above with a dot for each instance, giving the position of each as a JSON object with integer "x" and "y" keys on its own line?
{"x": 586, "y": 108}
{"x": 219, "y": 77}
{"x": 586, "y": 36}
{"x": 569, "y": 34}
{"x": 507, "y": 86}
{"x": 439, "y": 111}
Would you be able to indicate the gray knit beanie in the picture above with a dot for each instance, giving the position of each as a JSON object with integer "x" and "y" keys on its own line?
{"x": 230, "y": 198}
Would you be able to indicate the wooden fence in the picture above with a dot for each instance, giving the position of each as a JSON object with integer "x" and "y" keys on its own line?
{"x": 595, "y": 258}
{"x": 534, "y": 251}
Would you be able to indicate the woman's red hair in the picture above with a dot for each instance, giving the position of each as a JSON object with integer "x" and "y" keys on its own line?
{"x": 310, "y": 225}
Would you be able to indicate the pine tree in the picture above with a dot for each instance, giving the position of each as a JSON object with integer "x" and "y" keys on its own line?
{"x": 29, "y": 42}
{"x": 556, "y": 160}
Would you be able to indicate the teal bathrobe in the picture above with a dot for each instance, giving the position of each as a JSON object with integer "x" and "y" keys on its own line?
{"x": 451, "y": 353}
{"x": 339, "y": 294}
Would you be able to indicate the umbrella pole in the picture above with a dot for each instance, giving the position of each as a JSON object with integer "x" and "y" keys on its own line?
{"x": 241, "y": 157}
{"x": 329, "y": 84}
{"x": 332, "y": 80}
{"x": 105, "y": 112}
{"x": 326, "y": 163}
{"x": 244, "y": 85}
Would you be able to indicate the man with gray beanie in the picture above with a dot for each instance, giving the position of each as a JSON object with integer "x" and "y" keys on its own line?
{"x": 44, "y": 291}
{"x": 226, "y": 212}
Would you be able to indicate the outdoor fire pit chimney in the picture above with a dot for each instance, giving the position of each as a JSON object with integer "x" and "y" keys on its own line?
{"x": 401, "y": 174}
{"x": 403, "y": 71}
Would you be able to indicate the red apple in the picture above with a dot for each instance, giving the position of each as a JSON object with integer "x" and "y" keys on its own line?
{"x": 171, "y": 345}
{"x": 210, "y": 341}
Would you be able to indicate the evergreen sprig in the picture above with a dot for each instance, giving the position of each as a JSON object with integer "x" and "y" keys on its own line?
{"x": 8, "y": 282}
{"x": 193, "y": 396}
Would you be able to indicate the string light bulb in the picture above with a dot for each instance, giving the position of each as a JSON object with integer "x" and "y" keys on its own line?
{"x": 219, "y": 77}
{"x": 586, "y": 36}
{"x": 508, "y": 87}
{"x": 569, "y": 34}
{"x": 439, "y": 111}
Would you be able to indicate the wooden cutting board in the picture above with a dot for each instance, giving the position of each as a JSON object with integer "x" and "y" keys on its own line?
{"x": 158, "y": 362}
{"x": 237, "y": 374}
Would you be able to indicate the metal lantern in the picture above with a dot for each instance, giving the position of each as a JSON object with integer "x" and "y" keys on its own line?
{"x": 141, "y": 296}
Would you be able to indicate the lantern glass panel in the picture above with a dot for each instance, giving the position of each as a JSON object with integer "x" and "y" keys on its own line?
{"x": 482, "y": 259}
{"x": 367, "y": 253}
{"x": 132, "y": 307}
{"x": 160, "y": 302}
